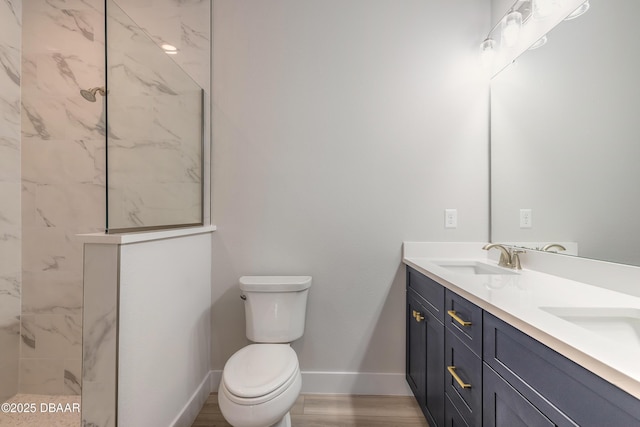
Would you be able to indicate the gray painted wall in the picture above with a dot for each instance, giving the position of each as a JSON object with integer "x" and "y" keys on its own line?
{"x": 342, "y": 129}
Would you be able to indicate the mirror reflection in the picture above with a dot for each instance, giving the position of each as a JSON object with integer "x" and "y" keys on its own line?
{"x": 565, "y": 139}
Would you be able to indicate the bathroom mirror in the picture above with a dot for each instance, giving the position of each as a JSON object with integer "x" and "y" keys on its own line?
{"x": 565, "y": 138}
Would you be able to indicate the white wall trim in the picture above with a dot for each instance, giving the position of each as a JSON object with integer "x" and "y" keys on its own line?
{"x": 355, "y": 383}
{"x": 192, "y": 408}
{"x": 369, "y": 383}
{"x": 143, "y": 236}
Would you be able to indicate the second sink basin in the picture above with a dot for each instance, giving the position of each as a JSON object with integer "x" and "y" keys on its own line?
{"x": 472, "y": 267}
{"x": 619, "y": 324}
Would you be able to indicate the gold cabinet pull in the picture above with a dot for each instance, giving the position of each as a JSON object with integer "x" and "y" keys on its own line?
{"x": 415, "y": 313}
{"x": 419, "y": 317}
{"x": 452, "y": 371}
{"x": 457, "y": 318}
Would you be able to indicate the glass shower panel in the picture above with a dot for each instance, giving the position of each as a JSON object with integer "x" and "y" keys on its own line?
{"x": 155, "y": 132}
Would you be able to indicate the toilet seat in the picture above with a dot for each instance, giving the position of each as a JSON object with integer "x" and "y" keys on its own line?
{"x": 258, "y": 373}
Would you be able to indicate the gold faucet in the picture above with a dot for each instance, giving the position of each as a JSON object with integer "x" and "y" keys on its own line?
{"x": 553, "y": 245}
{"x": 508, "y": 258}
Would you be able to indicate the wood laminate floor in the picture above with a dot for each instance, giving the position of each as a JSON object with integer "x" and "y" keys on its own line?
{"x": 323, "y": 410}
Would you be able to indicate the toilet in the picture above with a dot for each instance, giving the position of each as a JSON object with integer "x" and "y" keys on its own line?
{"x": 261, "y": 382}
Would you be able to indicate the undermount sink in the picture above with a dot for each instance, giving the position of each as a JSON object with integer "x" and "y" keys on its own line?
{"x": 619, "y": 324}
{"x": 472, "y": 267}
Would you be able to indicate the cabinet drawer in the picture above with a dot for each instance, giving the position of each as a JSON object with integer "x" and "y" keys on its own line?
{"x": 463, "y": 379}
{"x": 535, "y": 370}
{"x": 464, "y": 320}
{"x": 430, "y": 290}
{"x": 453, "y": 418}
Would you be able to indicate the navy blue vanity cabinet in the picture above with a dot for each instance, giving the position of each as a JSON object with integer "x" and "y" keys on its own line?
{"x": 504, "y": 406}
{"x": 463, "y": 359}
{"x": 539, "y": 378}
{"x": 464, "y": 319}
{"x": 453, "y": 418}
{"x": 425, "y": 347}
{"x": 431, "y": 291}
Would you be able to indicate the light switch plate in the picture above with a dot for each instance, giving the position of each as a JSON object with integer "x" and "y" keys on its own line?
{"x": 450, "y": 218}
{"x": 526, "y": 220}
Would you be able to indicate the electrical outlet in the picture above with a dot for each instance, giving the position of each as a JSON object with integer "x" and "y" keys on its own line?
{"x": 450, "y": 218}
{"x": 526, "y": 220}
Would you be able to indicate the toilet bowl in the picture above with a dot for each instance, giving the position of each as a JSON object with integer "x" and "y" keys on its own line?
{"x": 261, "y": 382}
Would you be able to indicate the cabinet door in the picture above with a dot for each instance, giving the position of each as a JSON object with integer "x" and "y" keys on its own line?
{"x": 566, "y": 392}
{"x": 425, "y": 359}
{"x": 416, "y": 346}
{"x": 505, "y": 407}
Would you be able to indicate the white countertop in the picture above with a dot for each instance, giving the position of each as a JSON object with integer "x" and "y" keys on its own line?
{"x": 517, "y": 299}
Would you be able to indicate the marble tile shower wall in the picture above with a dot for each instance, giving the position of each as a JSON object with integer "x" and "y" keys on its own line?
{"x": 63, "y": 184}
{"x": 63, "y": 167}
{"x": 10, "y": 232}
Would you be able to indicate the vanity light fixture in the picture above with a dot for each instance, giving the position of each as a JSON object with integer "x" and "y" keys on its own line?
{"x": 488, "y": 53}
{"x": 541, "y": 42}
{"x": 581, "y": 10}
{"x": 506, "y": 33}
{"x": 544, "y": 8}
{"x": 511, "y": 28}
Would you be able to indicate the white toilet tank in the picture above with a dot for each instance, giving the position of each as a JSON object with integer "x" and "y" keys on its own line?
{"x": 275, "y": 307}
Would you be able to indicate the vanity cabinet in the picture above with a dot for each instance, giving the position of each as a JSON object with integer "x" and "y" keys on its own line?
{"x": 564, "y": 392}
{"x": 425, "y": 346}
{"x": 505, "y": 406}
{"x": 468, "y": 368}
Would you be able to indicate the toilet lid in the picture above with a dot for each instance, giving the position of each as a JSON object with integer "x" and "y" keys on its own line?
{"x": 259, "y": 369}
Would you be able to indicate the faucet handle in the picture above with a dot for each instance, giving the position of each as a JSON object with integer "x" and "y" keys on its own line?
{"x": 515, "y": 258}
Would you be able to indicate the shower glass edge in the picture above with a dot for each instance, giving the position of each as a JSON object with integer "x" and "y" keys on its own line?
{"x": 154, "y": 114}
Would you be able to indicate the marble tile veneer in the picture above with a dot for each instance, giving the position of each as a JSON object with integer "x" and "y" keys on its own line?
{"x": 62, "y": 183}
{"x": 10, "y": 228}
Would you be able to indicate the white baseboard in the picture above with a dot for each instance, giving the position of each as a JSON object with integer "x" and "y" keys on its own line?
{"x": 190, "y": 411}
{"x": 343, "y": 383}
{"x": 355, "y": 383}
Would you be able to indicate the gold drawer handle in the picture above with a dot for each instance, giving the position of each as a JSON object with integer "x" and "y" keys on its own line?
{"x": 419, "y": 317}
{"x": 452, "y": 371}
{"x": 457, "y": 318}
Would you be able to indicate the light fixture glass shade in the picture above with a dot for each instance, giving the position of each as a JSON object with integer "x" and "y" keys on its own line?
{"x": 488, "y": 53}
{"x": 511, "y": 29}
{"x": 581, "y": 10}
{"x": 544, "y": 8}
{"x": 541, "y": 42}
